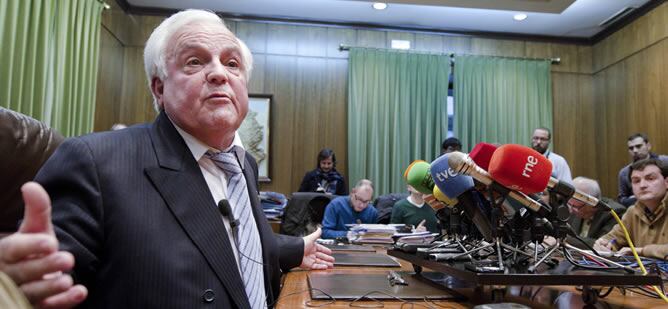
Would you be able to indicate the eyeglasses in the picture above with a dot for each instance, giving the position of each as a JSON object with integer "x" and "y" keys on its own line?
{"x": 361, "y": 200}
{"x": 538, "y": 138}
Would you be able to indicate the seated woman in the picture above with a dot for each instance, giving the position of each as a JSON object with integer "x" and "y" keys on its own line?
{"x": 324, "y": 178}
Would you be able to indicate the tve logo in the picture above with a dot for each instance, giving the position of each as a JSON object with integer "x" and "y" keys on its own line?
{"x": 444, "y": 175}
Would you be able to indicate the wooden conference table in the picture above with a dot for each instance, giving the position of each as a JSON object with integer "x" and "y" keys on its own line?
{"x": 295, "y": 293}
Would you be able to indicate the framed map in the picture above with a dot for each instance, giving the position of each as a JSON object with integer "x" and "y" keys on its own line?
{"x": 255, "y": 133}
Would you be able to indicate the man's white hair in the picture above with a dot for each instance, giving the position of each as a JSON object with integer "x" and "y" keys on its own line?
{"x": 155, "y": 51}
{"x": 590, "y": 186}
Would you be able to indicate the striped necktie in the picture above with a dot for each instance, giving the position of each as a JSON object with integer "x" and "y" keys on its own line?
{"x": 247, "y": 238}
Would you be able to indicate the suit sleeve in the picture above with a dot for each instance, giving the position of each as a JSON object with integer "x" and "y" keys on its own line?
{"x": 70, "y": 177}
{"x": 291, "y": 251}
{"x": 625, "y": 196}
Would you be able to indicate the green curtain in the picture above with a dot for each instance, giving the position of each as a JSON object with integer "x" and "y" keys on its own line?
{"x": 500, "y": 100}
{"x": 48, "y": 61}
{"x": 397, "y": 113}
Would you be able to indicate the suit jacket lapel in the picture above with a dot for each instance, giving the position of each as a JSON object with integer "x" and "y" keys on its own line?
{"x": 181, "y": 184}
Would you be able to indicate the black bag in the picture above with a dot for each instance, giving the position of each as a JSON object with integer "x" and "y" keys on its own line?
{"x": 304, "y": 213}
{"x": 384, "y": 204}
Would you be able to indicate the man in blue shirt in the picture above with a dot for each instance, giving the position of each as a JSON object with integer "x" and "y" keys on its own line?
{"x": 348, "y": 210}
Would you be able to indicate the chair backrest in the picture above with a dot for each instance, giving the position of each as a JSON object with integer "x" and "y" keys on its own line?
{"x": 25, "y": 145}
{"x": 384, "y": 205}
{"x": 304, "y": 212}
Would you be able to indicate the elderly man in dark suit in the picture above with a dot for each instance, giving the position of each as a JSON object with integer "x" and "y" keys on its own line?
{"x": 140, "y": 209}
{"x": 588, "y": 222}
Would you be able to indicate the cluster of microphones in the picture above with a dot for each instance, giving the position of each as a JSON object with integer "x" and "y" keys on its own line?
{"x": 492, "y": 193}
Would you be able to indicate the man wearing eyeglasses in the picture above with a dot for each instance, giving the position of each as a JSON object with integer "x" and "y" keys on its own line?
{"x": 354, "y": 208}
{"x": 588, "y": 222}
{"x": 639, "y": 149}
{"x": 540, "y": 141}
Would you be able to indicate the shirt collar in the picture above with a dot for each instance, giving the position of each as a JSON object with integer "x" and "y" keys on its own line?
{"x": 198, "y": 148}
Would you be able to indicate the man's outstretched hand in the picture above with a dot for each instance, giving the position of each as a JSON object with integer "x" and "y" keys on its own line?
{"x": 31, "y": 257}
{"x": 316, "y": 256}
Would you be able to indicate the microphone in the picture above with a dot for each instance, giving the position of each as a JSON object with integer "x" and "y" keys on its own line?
{"x": 460, "y": 187}
{"x": 226, "y": 210}
{"x": 417, "y": 175}
{"x": 534, "y": 176}
{"x": 482, "y": 154}
{"x": 463, "y": 164}
{"x": 520, "y": 168}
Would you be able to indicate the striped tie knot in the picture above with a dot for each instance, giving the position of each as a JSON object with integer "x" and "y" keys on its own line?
{"x": 226, "y": 161}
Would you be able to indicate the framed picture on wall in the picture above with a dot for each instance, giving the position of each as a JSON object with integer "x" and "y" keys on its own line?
{"x": 255, "y": 132}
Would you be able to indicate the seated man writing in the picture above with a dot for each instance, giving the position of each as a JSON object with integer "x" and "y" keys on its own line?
{"x": 350, "y": 209}
{"x": 646, "y": 219}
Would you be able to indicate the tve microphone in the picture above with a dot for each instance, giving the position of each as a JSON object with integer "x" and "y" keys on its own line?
{"x": 482, "y": 154}
{"x": 461, "y": 163}
{"x": 520, "y": 168}
{"x": 460, "y": 187}
{"x": 417, "y": 175}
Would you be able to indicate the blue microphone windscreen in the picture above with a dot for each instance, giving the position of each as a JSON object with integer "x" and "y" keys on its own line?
{"x": 449, "y": 182}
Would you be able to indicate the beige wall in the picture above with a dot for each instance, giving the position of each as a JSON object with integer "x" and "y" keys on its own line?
{"x": 307, "y": 75}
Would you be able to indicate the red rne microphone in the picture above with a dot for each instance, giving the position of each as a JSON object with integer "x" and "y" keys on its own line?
{"x": 482, "y": 154}
{"x": 520, "y": 168}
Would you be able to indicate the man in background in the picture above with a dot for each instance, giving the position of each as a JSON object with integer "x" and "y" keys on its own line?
{"x": 451, "y": 144}
{"x": 647, "y": 220}
{"x": 540, "y": 141}
{"x": 589, "y": 222}
{"x": 639, "y": 149}
{"x": 413, "y": 211}
{"x": 351, "y": 209}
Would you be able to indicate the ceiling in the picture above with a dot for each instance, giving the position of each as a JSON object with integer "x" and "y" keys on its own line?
{"x": 576, "y": 20}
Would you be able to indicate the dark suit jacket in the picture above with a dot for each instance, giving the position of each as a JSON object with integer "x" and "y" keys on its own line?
{"x": 134, "y": 209}
{"x": 601, "y": 223}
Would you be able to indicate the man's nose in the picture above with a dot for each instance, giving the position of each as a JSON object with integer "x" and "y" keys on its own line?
{"x": 218, "y": 73}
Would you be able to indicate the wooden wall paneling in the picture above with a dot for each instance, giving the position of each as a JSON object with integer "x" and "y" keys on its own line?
{"x": 585, "y": 59}
{"x": 253, "y": 34}
{"x": 641, "y": 33}
{"x": 256, "y": 82}
{"x": 137, "y": 102}
{"x": 311, "y": 41}
{"x": 338, "y": 36}
{"x": 371, "y": 38}
{"x": 429, "y": 42}
{"x": 108, "y": 96}
{"x": 279, "y": 81}
{"x": 281, "y": 39}
{"x": 118, "y": 23}
{"x": 310, "y": 115}
{"x": 457, "y": 44}
{"x": 492, "y": 47}
{"x": 335, "y": 113}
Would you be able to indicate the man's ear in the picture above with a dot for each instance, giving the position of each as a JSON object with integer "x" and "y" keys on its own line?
{"x": 649, "y": 146}
{"x": 157, "y": 88}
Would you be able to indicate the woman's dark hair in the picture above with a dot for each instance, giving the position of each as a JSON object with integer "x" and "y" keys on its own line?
{"x": 324, "y": 154}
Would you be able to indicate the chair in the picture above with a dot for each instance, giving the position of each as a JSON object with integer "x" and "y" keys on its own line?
{"x": 304, "y": 212}
{"x": 384, "y": 205}
{"x": 26, "y": 144}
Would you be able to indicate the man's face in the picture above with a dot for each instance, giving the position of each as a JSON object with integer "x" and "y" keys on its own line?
{"x": 648, "y": 184}
{"x": 204, "y": 92}
{"x": 540, "y": 140}
{"x": 327, "y": 164}
{"x": 639, "y": 149}
{"x": 580, "y": 209}
{"x": 361, "y": 197}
